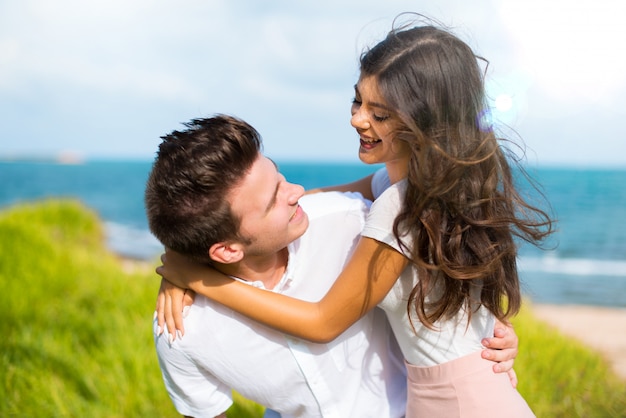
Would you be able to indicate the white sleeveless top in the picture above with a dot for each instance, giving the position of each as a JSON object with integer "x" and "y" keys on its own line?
{"x": 423, "y": 347}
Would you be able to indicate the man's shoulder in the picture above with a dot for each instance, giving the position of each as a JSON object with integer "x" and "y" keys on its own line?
{"x": 328, "y": 203}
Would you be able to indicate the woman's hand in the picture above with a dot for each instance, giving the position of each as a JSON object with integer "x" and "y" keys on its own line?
{"x": 175, "y": 295}
{"x": 171, "y": 307}
{"x": 179, "y": 269}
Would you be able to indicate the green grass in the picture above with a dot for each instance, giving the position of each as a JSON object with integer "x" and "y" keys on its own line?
{"x": 77, "y": 341}
{"x": 560, "y": 377}
{"x": 76, "y": 328}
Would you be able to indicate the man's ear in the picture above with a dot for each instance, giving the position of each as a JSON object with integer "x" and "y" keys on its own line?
{"x": 226, "y": 252}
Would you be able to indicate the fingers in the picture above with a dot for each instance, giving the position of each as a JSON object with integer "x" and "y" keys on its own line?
{"x": 169, "y": 320}
{"x": 170, "y": 303}
{"x": 161, "y": 297}
{"x": 503, "y": 367}
{"x": 512, "y": 377}
{"x": 502, "y": 349}
{"x": 159, "y": 271}
{"x": 505, "y": 355}
{"x": 188, "y": 299}
{"x": 504, "y": 338}
{"x": 177, "y": 314}
{"x": 160, "y": 309}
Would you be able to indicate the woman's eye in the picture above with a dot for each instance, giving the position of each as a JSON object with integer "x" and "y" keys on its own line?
{"x": 380, "y": 118}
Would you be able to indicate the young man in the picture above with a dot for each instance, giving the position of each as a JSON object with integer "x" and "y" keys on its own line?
{"x": 214, "y": 197}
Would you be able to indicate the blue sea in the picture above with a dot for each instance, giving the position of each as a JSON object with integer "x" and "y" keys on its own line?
{"x": 586, "y": 262}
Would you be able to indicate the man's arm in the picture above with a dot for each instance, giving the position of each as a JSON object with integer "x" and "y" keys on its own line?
{"x": 502, "y": 349}
{"x": 194, "y": 392}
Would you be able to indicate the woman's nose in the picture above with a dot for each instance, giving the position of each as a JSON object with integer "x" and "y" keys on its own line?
{"x": 359, "y": 119}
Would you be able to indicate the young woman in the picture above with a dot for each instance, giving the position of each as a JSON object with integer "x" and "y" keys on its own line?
{"x": 438, "y": 252}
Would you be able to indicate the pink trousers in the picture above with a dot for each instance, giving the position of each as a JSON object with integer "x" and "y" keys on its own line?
{"x": 466, "y": 387}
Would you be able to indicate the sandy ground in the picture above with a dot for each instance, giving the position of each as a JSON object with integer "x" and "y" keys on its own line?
{"x": 603, "y": 329}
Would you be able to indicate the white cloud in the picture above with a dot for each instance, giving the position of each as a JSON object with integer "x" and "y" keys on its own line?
{"x": 573, "y": 49}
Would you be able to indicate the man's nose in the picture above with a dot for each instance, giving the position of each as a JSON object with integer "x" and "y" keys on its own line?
{"x": 296, "y": 191}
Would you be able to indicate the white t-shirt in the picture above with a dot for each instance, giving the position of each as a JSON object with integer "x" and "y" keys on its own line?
{"x": 359, "y": 374}
{"x": 380, "y": 182}
{"x": 453, "y": 338}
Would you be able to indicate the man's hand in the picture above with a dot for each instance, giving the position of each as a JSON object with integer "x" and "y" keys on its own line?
{"x": 502, "y": 349}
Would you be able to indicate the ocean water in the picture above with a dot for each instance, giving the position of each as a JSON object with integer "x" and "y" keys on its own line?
{"x": 585, "y": 262}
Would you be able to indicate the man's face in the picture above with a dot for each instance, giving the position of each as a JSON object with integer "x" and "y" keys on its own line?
{"x": 268, "y": 208}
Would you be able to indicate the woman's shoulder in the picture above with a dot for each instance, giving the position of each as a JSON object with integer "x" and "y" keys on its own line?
{"x": 392, "y": 195}
{"x": 386, "y": 207}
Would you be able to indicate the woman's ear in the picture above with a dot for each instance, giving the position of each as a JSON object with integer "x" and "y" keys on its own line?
{"x": 226, "y": 252}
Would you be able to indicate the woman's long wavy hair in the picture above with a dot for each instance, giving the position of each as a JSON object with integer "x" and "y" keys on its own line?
{"x": 461, "y": 206}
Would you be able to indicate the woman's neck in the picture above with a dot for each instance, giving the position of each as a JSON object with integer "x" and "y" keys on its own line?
{"x": 397, "y": 170}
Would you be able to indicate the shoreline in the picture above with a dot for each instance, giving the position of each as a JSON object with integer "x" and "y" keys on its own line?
{"x": 133, "y": 265}
{"x": 595, "y": 326}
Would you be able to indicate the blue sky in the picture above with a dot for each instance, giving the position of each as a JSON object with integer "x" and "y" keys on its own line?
{"x": 104, "y": 79}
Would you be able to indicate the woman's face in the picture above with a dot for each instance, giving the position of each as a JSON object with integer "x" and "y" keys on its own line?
{"x": 374, "y": 121}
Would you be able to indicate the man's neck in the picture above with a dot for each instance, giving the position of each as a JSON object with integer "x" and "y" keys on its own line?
{"x": 268, "y": 269}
